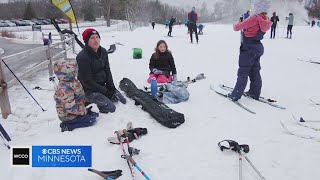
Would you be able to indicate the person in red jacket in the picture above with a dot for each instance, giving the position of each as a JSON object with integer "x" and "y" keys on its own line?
{"x": 251, "y": 50}
{"x": 193, "y": 18}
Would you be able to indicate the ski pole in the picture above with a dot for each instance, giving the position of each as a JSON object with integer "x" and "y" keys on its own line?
{"x": 4, "y": 133}
{"x": 132, "y": 151}
{"x": 100, "y": 174}
{"x": 22, "y": 85}
{"x": 108, "y": 175}
{"x": 4, "y": 142}
{"x": 129, "y": 158}
{"x": 124, "y": 153}
{"x": 240, "y": 166}
{"x": 257, "y": 171}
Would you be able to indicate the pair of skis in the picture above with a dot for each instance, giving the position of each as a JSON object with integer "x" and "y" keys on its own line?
{"x": 302, "y": 122}
{"x": 315, "y": 102}
{"x": 308, "y": 61}
{"x": 132, "y": 151}
{"x": 268, "y": 101}
{"x": 183, "y": 83}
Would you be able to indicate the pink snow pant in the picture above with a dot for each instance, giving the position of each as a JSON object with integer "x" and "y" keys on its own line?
{"x": 160, "y": 78}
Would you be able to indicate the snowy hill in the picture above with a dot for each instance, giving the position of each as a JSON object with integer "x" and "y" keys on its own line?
{"x": 190, "y": 151}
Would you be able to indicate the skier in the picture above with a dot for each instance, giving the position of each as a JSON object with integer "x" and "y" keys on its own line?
{"x": 70, "y": 98}
{"x": 153, "y": 24}
{"x": 161, "y": 64}
{"x": 173, "y": 20}
{"x": 95, "y": 75}
{"x": 251, "y": 50}
{"x": 274, "y": 20}
{"x": 290, "y": 25}
{"x": 318, "y": 23}
{"x": 193, "y": 18}
{"x": 313, "y": 22}
{"x": 200, "y": 27}
{"x": 186, "y": 22}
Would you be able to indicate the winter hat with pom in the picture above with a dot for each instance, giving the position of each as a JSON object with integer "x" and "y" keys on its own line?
{"x": 261, "y": 6}
{"x": 87, "y": 34}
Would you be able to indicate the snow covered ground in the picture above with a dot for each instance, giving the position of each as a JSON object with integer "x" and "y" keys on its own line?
{"x": 190, "y": 151}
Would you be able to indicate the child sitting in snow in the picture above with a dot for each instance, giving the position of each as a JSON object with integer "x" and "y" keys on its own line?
{"x": 162, "y": 64}
{"x": 70, "y": 98}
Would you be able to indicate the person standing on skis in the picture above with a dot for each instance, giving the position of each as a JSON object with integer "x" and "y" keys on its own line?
{"x": 251, "y": 50}
{"x": 192, "y": 26}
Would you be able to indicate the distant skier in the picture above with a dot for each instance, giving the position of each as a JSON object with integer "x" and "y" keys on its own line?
{"x": 186, "y": 22}
{"x": 251, "y": 50}
{"x": 167, "y": 22}
{"x": 318, "y": 23}
{"x": 274, "y": 20}
{"x": 153, "y": 24}
{"x": 162, "y": 64}
{"x": 290, "y": 25}
{"x": 200, "y": 27}
{"x": 313, "y": 23}
{"x": 172, "y": 21}
{"x": 193, "y": 18}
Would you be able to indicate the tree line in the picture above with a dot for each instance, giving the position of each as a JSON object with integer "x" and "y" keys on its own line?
{"x": 133, "y": 10}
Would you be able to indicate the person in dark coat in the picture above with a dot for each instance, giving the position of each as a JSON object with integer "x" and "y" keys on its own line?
{"x": 192, "y": 26}
{"x": 153, "y": 24}
{"x": 251, "y": 50}
{"x": 290, "y": 25}
{"x": 274, "y": 20}
{"x": 313, "y": 22}
{"x": 162, "y": 65}
{"x": 172, "y": 21}
{"x": 95, "y": 75}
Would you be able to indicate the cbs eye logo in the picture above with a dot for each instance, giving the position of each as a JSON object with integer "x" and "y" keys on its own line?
{"x": 20, "y": 156}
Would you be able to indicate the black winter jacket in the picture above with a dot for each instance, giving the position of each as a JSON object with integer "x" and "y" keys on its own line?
{"x": 274, "y": 20}
{"x": 94, "y": 71}
{"x": 164, "y": 63}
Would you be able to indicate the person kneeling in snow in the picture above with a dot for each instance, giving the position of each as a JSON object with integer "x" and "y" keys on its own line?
{"x": 161, "y": 64}
{"x": 70, "y": 99}
{"x": 95, "y": 74}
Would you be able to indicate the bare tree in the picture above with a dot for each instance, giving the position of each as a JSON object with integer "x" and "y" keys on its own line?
{"x": 106, "y": 8}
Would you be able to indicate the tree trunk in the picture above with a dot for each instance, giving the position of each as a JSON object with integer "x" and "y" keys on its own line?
{"x": 108, "y": 8}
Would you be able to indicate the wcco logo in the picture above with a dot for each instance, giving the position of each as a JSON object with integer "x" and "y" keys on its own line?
{"x": 21, "y": 156}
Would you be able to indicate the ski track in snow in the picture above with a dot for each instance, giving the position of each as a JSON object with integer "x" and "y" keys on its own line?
{"x": 189, "y": 151}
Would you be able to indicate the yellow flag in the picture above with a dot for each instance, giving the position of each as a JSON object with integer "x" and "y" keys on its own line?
{"x": 65, "y": 6}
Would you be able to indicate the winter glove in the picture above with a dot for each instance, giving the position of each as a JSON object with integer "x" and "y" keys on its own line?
{"x": 117, "y": 96}
{"x": 136, "y": 132}
{"x": 156, "y": 71}
{"x": 89, "y": 111}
